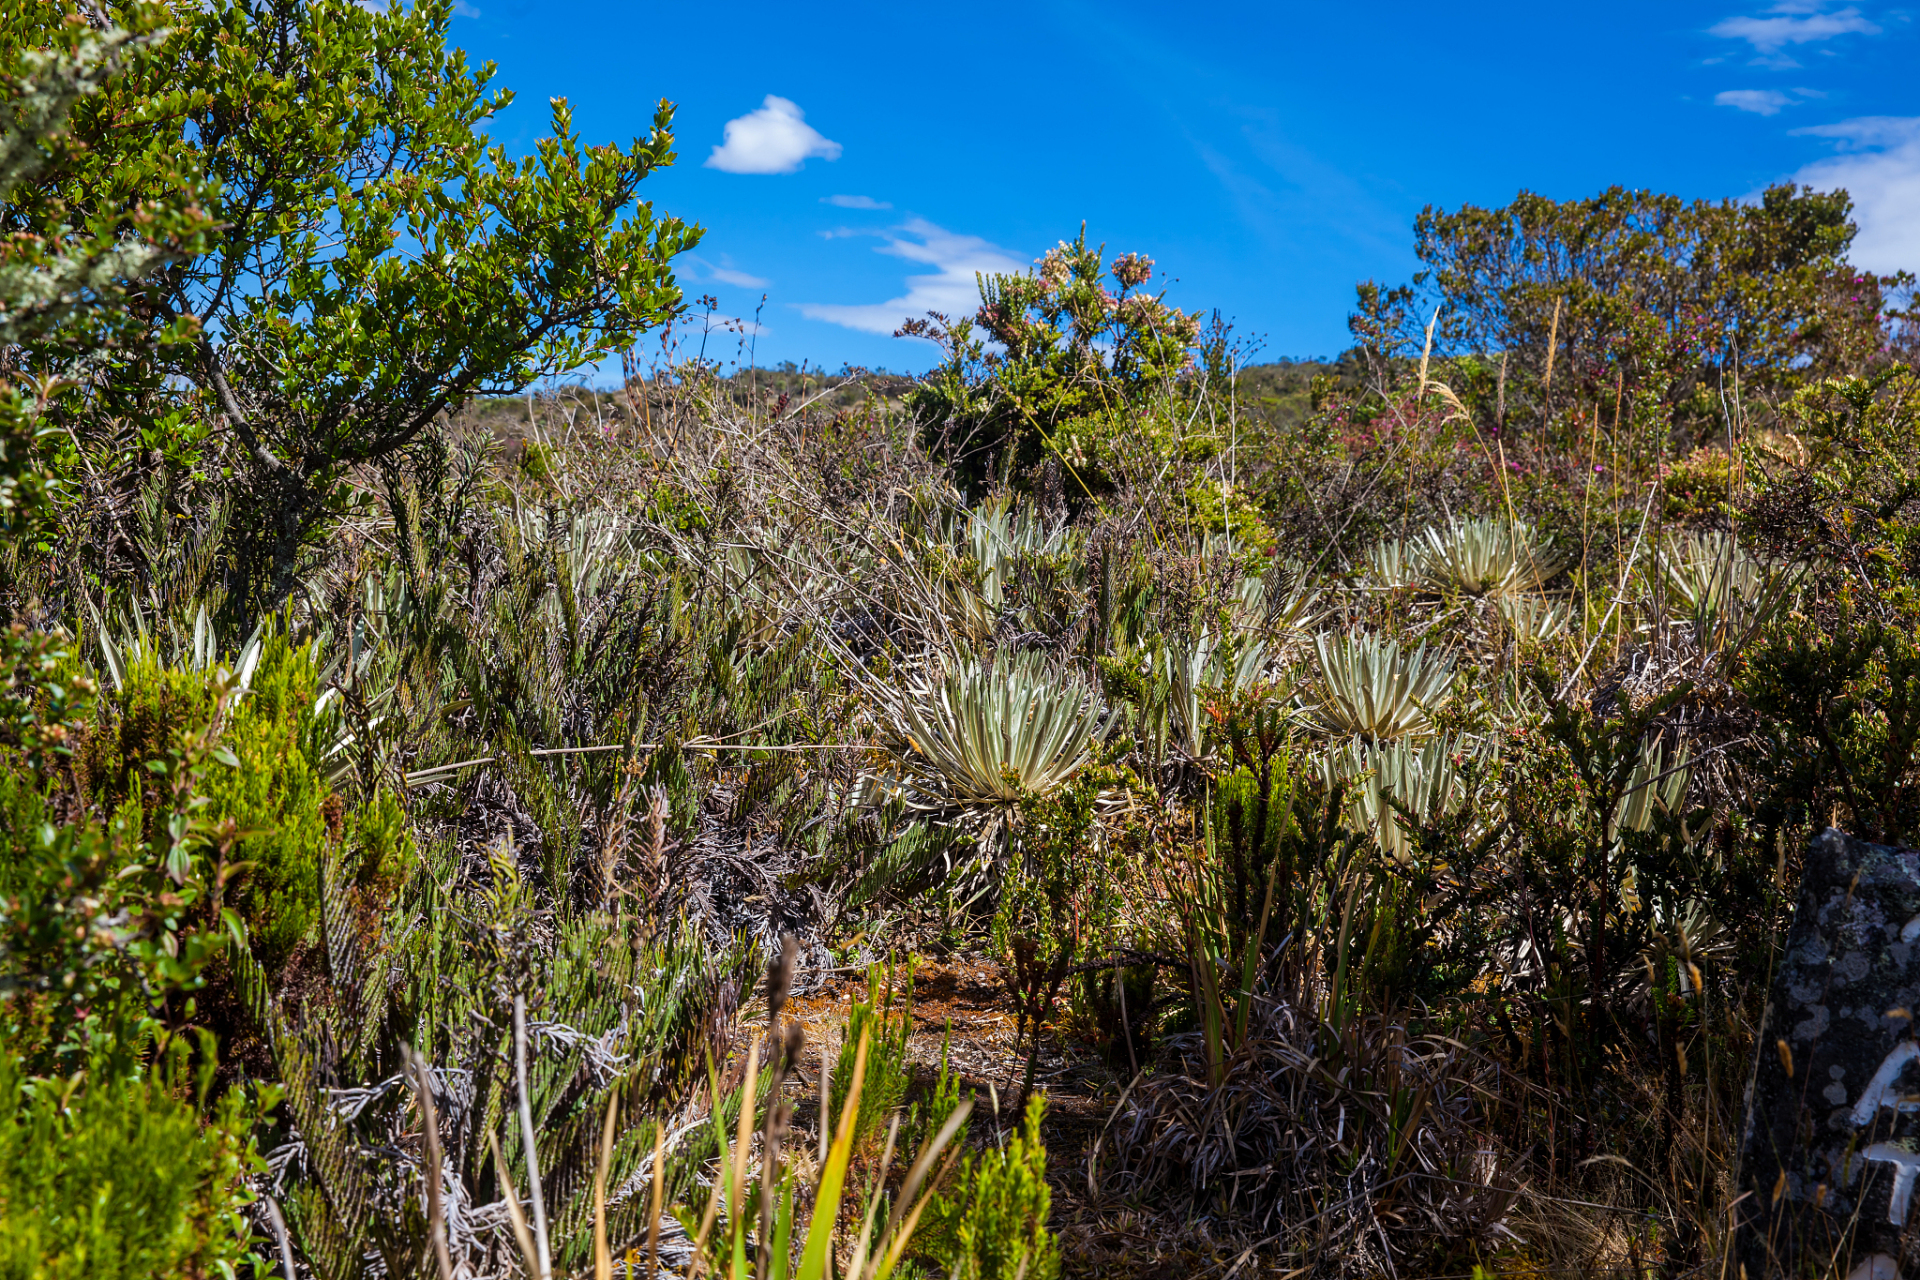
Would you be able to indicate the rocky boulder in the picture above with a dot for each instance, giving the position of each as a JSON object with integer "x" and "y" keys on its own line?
{"x": 1832, "y": 1145}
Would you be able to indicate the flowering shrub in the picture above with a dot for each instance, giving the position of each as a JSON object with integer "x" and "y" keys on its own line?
{"x": 1052, "y": 352}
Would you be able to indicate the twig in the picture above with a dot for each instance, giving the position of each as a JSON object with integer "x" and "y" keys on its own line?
{"x": 280, "y": 1234}
{"x": 430, "y": 1122}
{"x": 528, "y": 1137}
{"x": 1621, "y": 586}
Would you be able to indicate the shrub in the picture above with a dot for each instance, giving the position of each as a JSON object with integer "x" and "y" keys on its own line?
{"x": 149, "y": 715}
{"x": 1698, "y": 488}
{"x": 115, "y": 1175}
{"x": 1839, "y": 728}
{"x": 885, "y": 1020}
{"x": 101, "y": 919}
{"x": 1060, "y": 898}
{"x": 993, "y": 1225}
{"x": 275, "y": 799}
{"x": 378, "y": 840}
{"x": 1075, "y": 360}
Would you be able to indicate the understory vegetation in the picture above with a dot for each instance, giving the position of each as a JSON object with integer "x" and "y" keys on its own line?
{"x": 454, "y": 830}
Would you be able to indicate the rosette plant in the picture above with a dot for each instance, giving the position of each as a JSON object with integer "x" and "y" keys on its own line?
{"x": 1483, "y": 557}
{"x": 1374, "y": 690}
{"x": 992, "y": 729}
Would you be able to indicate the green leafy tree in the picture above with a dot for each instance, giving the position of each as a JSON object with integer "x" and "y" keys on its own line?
{"x": 65, "y": 272}
{"x": 378, "y": 261}
{"x": 1680, "y": 300}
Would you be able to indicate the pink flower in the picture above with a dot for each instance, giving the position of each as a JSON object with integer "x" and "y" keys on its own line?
{"x": 1132, "y": 269}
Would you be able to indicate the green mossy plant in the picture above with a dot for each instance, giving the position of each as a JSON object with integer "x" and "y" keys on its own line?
{"x": 993, "y": 1223}
{"x": 275, "y": 799}
{"x": 885, "y": 1019}
{"x": 105, "y": 1174}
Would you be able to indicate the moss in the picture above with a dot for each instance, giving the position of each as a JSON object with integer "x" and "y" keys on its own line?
{"x": 117, "y": 1177}
{"x": 277, "y": 798}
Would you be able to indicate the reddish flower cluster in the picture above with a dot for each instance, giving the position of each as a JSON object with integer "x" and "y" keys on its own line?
{"x": 1132, "y": 269}
{"x": 1141, "y": 309}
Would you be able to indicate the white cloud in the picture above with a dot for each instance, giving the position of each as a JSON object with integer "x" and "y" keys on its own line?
{"x": 1879, "y": 166}
{"x": 725, "y": 272}
{"x": 740, "y": 279}
{"x": 950, "y": 288}
{"x": 1762, "y": 102}
{"x": 1866, "y": 131}
{"x": 855, "y": 202}
{"x": 775, "y": 138}
{"x": 1793, "y": 22}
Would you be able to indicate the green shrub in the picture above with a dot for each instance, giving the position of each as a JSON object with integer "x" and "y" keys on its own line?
{"x": 889, "y": 1020}
{"x": 106, "y": 1166}
{"x": 1076, "y": 361}
{"x": 276, "y": 799}
{"x": 1698, "y": 488}
{"x": 155, "y": 709}
{"x": 45, "y": 703}
{"x": 1061, "y": 898}
{"x": 993, "y": 1225}
{"x": 1839, "y": 737}
{"x": 945, "y": 1098}
{"x": 379, "y": 843}
{"x": 101, "y": 920}
{"x": 274, "y": 804}
{"x": 117, "y": 1176}
{"x": 1224, "y": 509}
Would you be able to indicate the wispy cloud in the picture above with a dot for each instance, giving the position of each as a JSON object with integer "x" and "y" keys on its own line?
{"x": 950, "y": 288}
{"x": 1288, "y": 195}
{"x": 740, "y": 279}
{"x": 1879, "y": 166}
{"x": 724, "y": 272}
{"x": 1761, "y": 102}
{"x": 1792, "y": 22}
{"x": 855, "y": 202}
{"x": 774, "y": 138}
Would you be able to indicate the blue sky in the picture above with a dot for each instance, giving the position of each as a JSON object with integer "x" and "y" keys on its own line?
{"x": 1267, "y": 157}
